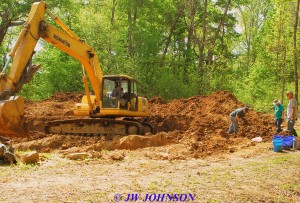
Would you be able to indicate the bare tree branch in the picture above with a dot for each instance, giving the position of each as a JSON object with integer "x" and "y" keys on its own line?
{"x": 16, "y": 23}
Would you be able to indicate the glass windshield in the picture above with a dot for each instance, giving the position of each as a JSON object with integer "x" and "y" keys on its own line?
{"x": 115, "y": 93}
{"x": 109, "y": 86}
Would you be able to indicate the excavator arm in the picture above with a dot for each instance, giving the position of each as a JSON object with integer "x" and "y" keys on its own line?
{"x": 12, "y": 121}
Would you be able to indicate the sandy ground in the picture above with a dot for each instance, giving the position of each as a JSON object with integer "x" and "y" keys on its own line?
{"x": 253, "y": 174}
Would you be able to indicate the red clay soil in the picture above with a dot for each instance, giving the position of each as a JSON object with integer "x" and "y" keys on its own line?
{"x": 207, "y": 115}
{"x": 59, "y": 106}
{"x": 193, "y": 127}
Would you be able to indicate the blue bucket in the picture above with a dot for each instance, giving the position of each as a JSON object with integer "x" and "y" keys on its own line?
{"x": 278, "y": 136}
{"x": 277, "y": 143}
{"x": 288, "y": 141}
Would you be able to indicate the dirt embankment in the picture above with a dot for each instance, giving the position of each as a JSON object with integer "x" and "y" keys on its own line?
{"x": 59, "y": 106}
{"x": 193, "y": 127}
{"x": 206, "y": 115}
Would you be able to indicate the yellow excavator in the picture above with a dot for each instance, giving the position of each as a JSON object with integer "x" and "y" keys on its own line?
{"x": 114, "y": 96}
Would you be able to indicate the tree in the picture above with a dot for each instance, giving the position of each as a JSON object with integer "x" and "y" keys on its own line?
{"x": 295, "y": 49}
{"x": 253, "y": 16}
{"x": 201, "y": 45}
{"x": 175, "y": 48}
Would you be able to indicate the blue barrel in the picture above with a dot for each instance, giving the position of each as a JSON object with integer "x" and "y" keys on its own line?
{"x": 277, "y": 143}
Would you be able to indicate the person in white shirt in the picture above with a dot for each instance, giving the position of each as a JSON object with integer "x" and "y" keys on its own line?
{"x": 292, "y": 111}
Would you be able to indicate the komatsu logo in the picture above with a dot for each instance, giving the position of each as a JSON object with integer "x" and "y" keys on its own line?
{"x": 65, "y": 42}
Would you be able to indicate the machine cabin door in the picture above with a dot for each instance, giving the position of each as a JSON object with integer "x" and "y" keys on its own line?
{"x": 116, "y": 93}
{"x": 112, "y": 92}
{"x": 133, "y": 96}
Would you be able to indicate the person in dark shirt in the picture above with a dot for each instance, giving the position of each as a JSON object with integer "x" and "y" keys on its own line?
{"x": 279, "y": 114}
{"x": 235, "y": 117}
{"x": 118, "y": 92}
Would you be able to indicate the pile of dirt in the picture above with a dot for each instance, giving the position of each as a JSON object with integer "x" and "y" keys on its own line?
{"x": 99, "y": 143}
{"x": 207, "y": 116}
{"x": 187, "y": 128}
{"x": 59, "y": 106}
{"x": 166, "y": 146}
{"x": 157, "y": 100}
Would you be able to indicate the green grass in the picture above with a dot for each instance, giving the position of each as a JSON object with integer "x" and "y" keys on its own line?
{"x": 46, "y": 155}
{"x": 291, "y": 187}
{"x": 20, "y": 152}
{"x": 26, "y": 167}
{"x": 104, "y": 151}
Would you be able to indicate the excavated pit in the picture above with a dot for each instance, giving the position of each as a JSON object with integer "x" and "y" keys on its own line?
{"x": 187, "y": 128}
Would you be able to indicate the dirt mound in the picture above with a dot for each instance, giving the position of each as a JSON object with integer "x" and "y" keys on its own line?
{"x": 99, "y": 143}
{"x": 59, "y": 106}
{"x": 157, "y": 100}
{"x": 169, "y": 146}
{"x": 66, "y": 96}
{"x": 187, "y": 128}
{"x": 207, "y": 116}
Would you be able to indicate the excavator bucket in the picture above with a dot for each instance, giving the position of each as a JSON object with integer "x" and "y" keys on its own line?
{"x": 12, "y": 120}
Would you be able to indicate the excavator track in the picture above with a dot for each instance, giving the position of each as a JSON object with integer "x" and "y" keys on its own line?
{"x": 97, "y": 126}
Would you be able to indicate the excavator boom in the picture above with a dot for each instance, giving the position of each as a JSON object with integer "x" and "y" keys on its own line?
{"x": 12, "y": 120}
{"x": 99, "y": 105}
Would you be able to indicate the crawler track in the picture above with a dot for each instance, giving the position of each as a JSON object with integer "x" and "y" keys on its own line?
{"x": 97, "y": 126}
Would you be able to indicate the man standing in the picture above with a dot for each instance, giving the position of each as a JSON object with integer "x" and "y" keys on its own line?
{"x": 292, "y": 111}
{"x": 236, "y": 116}
{"x": 279, "y": 114}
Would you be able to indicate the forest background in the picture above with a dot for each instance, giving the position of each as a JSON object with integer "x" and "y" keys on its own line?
{"x": 173, "y": 48}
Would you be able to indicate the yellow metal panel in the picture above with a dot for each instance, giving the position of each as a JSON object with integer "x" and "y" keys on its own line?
{"x": 121, "y": 113}
{"x": 85, "y": 100}
{"x": 79, "y": 50}
{"x": 27, "y": 43}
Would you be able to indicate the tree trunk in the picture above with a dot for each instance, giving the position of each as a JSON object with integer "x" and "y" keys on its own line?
{"x": 5, "y": 23}
{"x": 112, "y": 19}
{"x": 132, "y": 17}
{"x": 248, "y": 36}
{"x": 180, "y": 10}
{"x": 191, "y": 28}
{"x": 213, "y": 40}
{"x": 111, "y": 34}
{"x": 201, "y": 48}
{"x": 295, "y": 50}
{"x": 277, "y": 69}
{"x": 278, "y": 50}
{"x": 283, "y": 75}
{"x": 129, "y": 36}
{"x": 3, "y": 30}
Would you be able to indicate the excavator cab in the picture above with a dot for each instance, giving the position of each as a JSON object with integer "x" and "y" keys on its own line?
{"x": 119, "y": 98}
{"x": 119, "y": 92}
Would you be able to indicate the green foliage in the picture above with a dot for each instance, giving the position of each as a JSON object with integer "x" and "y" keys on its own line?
{"x": 271, "y": 59}
{"x": 248, "y": 51}
{"x": 59, "y": 73}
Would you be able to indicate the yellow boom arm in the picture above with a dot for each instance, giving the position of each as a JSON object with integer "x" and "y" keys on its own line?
{"x": 12, "y": 108}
